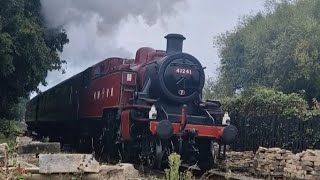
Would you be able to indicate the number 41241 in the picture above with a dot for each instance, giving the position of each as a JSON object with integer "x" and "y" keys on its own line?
{"x": 183, "y": 71}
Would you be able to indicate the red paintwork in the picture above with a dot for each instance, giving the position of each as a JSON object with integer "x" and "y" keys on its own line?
{"x": 102, "y": 92}
{"x": 202, "y": 130}
{"x": 125, "y": 125}
{"x": 183, "y": 118}
{"x": 116, "y": 79}
{"x": 110, "y": 90}
{"x": 144, "y": 56}
{"x": 129, "y": 78}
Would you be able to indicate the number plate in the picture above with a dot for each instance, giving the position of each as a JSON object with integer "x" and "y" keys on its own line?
{"x": 183, "y": 71}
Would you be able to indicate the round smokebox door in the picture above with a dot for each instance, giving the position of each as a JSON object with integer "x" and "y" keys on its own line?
{"x": 181, "y": 77}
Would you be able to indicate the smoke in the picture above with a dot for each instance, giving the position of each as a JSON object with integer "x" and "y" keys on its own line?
{"x": 110, "y": 12}
{"x": 92, "y": 27}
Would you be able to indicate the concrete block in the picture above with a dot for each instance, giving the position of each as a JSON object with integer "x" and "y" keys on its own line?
{"x": 29, "y": 158}
{"x": 63, "y": 176}
{"x": 22, "y": 140}
{"x": 119, "y": 171}
{"x": 39, "y": 148}
{"x": 68, "y": 163}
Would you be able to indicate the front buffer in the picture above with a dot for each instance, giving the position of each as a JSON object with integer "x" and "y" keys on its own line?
{"x": 194, "y": 142}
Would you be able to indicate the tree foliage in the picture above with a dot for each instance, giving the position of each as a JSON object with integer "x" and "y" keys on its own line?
{"x": 28, "y": 50}
{"x": 278, "y": 48}
{"x": 207, "y": 91}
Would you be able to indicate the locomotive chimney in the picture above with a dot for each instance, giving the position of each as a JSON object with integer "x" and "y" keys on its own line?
{"x": 174, "y": 43}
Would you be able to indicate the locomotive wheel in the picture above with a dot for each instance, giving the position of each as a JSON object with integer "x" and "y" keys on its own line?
{"x": 99, "y": 146}
{"x": 206, "y": 155}
{"x": 107, "y": 142}
{"x": 113, "y": 146}
{"x": 154, "y": 160}
{"x": 83, "y": 141}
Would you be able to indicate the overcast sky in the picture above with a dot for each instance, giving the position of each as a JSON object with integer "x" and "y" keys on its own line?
{"x": 198, "y": 21}
{"x": 93, "y": 38}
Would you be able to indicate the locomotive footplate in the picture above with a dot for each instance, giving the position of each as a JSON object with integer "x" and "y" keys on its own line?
{"x": 225, "y": 134}
{"x": 201, "y": 130}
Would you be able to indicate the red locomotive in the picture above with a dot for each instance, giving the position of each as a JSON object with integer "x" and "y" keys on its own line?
{"x": 136, "y": 110}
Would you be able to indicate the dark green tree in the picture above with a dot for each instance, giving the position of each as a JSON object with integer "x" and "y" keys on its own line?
{"x": 28, "y": 50}
{"x": 277, "y": 48}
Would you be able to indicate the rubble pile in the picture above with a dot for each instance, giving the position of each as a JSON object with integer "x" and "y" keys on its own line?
{"x": 239, "y": 161}
{"x": 270, "y": 162}
{"x": 276, "y": 163}
{"x": 304, "y": 165}
{"x": 43, "y": 160}
{"x": 119, "y": 171}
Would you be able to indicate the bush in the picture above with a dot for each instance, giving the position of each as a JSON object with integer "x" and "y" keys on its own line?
{"x": 173, "y": 172}
{"x": 7, "y": 128}
{"x": 267, "y": 103}
{"x": 8, "y": 132}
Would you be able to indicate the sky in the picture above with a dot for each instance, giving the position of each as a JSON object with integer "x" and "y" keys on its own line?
{"x": 99, "y": 29}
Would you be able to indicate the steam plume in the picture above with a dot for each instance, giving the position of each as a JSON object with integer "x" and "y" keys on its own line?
{"x": 92, "y": 26}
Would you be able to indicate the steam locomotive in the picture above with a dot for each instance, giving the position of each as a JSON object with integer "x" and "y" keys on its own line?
{"x": 138, "y": 109}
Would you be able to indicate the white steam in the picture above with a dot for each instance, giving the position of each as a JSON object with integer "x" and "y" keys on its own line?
{"x": 92, "y": 27}
{"x": 110, "y": 12}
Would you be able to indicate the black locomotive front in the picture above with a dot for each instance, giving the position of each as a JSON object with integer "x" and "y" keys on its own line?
{"x": 178, "y": 119}
{"x": 178, "y": 77}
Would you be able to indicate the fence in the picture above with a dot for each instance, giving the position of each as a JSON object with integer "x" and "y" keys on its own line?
{"x": 292, "y": 134}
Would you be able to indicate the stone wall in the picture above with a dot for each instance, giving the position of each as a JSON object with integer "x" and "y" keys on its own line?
{"x": 304, "y": 165}
{"x": 238, "y": 161}
{"x": 276, "y": 163}
{"x": 270, "y": 162}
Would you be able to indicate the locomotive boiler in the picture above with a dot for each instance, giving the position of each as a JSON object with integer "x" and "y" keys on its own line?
{"x": 139, "y": 109}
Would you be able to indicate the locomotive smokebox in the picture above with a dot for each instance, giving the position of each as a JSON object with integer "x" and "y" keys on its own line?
{"x": 174, "y": 43}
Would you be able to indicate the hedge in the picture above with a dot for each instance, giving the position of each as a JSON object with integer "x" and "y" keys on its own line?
{"x": 270, "y": 118}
